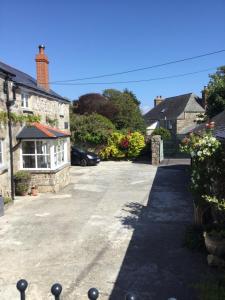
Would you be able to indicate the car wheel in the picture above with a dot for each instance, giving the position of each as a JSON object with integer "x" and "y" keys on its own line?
{"x": 83, "y": 162}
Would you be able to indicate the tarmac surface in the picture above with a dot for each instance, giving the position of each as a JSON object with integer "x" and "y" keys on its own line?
{"x": 118, "y": 227}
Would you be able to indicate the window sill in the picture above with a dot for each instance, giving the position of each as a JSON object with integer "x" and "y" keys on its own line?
{"x": 27, "y": 110}
{"x": 45, "y": 171}
{"x": 3, "y": 169}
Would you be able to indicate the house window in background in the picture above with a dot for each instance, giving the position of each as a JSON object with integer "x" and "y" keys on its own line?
{"x": 25, "y": 100}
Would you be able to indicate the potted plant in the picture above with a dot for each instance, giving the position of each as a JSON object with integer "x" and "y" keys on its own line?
{"x": 22, "y": 182}
{"x": 34, "y": 190}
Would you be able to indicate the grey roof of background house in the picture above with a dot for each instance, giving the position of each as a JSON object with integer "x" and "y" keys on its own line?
{"x": 219, "y": 129}
{"x": 173, "y": 107}
{"x": 23, "y": 79}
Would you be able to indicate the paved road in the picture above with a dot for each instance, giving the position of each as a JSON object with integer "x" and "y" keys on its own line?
{"x": 75, "y": 237}
{"x": 118, "y": 226}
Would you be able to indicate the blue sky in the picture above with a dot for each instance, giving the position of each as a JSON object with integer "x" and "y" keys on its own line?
{"x": 92, "y": 37}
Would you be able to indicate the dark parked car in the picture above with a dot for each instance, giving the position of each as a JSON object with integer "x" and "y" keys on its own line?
{"x": 83, "y": 158}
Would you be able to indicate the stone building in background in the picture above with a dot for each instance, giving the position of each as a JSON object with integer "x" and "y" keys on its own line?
{"x": 41, "y": 145}
{"x": 177, "y": 114}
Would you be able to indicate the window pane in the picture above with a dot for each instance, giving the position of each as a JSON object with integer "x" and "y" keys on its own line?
{"x": 43, "y": 147}
{"x": 43, "y": 161}
{"x": 59, "y": 158}
{"x": 28, "y": 161}
{"x": 28, "y": 147}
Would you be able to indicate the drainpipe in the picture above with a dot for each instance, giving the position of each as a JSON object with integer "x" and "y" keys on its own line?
{"x": 8, "y": 104}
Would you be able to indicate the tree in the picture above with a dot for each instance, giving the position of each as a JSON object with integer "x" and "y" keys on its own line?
{"x": 132, "y": 96}
{"x": 216, "y": 93}
{"x": 94, "y": 103}
{"x": 128, "y": 115}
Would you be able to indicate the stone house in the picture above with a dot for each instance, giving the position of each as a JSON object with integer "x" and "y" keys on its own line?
{"x": 177, "y": 114}
{"x": 40, "y": 128}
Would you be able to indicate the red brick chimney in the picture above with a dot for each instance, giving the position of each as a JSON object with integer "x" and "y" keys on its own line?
{"x": 42, "y": 68}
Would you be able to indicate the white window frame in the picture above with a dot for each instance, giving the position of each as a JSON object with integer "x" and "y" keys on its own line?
{"x": 25, "y": 103}
{"x": 52, "y": 144}
{"x": 1, "y": 153}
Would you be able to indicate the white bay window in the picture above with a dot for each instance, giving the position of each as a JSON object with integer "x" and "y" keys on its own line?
{"x": 43, "y": 154}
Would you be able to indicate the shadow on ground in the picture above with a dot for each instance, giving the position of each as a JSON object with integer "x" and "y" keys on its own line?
{"x": 156, "y": 266}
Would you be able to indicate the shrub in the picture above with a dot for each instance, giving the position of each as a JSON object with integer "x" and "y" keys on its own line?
{"x": 121, "y": 146}
{"x": 7, "y": 200}
{"x": 193, "y": 238}
{"x": 163, "y": 132}
{"x": 213, "y": 288}
{"x": 22, "y": 175}
{"x": 22, "y": 182}
{"x": 136, "y": 144}
{"x": 93, "y": 129}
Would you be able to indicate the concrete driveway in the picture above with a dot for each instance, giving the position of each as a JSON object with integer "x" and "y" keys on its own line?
{"x": 76, "y": 237}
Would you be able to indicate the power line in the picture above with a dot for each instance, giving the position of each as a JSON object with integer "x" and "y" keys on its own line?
{"x": 143, "y": 68}
{"x": 141, "y": 80}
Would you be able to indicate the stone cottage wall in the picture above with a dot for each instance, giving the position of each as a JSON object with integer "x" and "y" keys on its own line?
{"x": 188, "y": 121}
{"x": 4, "y": 171}
{"x": 51, "y": 181}
{"x": 46, "y": 107}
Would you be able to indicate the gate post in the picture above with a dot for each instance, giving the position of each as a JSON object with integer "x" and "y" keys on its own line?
{"x": 157, "y": 149}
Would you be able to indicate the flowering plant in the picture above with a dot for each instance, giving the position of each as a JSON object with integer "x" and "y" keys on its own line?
{"x": 124, "y": 144}
{"x": 200, "y": 147}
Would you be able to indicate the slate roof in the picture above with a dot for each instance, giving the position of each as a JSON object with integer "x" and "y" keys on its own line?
{"x": 40, "y": 131}
{"x": 173, "y": 107}
{"x": 219, "y": 129}
{"x": 23, "y": 79}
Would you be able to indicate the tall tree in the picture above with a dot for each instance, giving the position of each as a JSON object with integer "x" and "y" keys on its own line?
{"x": 132, "y": 96}
{"x": 94, "y": 103}
{"x": 216, "y": 93}
{"x": 129, "y": 115}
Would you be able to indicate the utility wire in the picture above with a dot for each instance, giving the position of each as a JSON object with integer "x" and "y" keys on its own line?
{"x": 141, "y": 80}
{"x": 143, "y": 68}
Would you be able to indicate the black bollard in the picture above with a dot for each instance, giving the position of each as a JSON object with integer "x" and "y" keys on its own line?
{"x": 130, "y": 296}
{"x": 56, "y": 290}
{"x": 93, "y": 294}
{"x": 22, "y": 285}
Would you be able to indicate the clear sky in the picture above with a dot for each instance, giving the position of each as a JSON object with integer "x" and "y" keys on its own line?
{"x": 93, "y": 37}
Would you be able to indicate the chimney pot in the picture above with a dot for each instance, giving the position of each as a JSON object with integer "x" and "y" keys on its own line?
{"x": 158, "y": 100}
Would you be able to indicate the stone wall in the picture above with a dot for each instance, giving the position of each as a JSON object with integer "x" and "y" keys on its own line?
{"x": 5, "y": 189}
{"x": 51, "y": 181}
{"x": 156, "y": 141}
